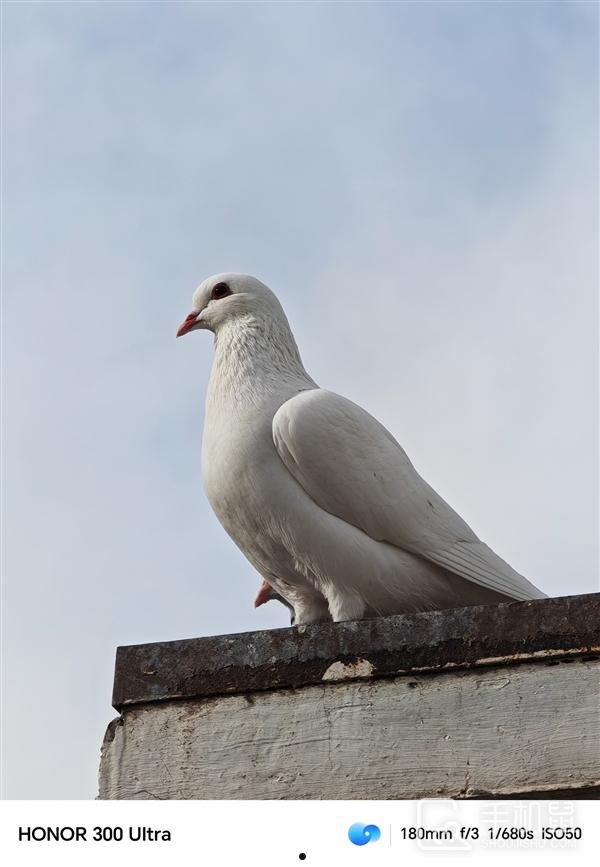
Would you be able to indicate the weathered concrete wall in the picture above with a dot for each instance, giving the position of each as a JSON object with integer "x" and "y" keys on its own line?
{"x": 500, "y": 730}
{"x": 495, "y": 725}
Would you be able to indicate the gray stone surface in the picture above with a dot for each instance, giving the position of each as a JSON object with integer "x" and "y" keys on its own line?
{"x": 495, "y": 701}
{"x": 383, "y": 646}
{"x": 497, "y": 731}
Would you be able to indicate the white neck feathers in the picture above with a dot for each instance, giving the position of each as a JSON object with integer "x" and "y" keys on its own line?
{"x": 255, "y": 357}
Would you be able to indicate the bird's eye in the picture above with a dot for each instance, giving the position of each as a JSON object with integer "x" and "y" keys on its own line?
{"x": 221, "y": 290}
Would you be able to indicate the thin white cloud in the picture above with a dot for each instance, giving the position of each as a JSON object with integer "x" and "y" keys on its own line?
{"x": 419, "y": 186}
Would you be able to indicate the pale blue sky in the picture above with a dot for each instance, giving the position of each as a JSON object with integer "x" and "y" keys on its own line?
{"x": 417, "y": 181}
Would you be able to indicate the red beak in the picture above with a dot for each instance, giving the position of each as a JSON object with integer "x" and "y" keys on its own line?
{"x": 187, "y": 324}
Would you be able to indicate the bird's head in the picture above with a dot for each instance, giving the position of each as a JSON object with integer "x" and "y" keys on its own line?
{"x": 224, "y": 297}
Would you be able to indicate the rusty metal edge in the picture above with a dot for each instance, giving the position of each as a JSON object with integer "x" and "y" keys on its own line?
{"x": 541, "y": 630}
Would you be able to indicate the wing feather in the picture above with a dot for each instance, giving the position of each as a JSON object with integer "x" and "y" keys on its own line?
{"x": 352, "y": 467}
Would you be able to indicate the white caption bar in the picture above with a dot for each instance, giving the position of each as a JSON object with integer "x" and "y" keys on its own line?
{"x": 311, "y": 833}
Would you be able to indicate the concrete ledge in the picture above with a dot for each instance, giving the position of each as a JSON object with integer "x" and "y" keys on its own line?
{"x": 383, "y": 647}
{"x": 492, "y": 701}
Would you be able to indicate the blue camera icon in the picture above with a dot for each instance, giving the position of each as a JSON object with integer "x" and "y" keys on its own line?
{"x": 360, "y": 834}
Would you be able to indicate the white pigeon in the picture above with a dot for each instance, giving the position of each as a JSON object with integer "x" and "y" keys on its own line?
{"x": 315, "y": 492}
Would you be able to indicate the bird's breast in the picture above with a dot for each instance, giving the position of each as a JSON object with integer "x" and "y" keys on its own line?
{"x": 237, "y": 450}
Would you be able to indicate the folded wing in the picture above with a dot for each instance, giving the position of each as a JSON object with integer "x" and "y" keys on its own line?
{"x": 352, "y": 467}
